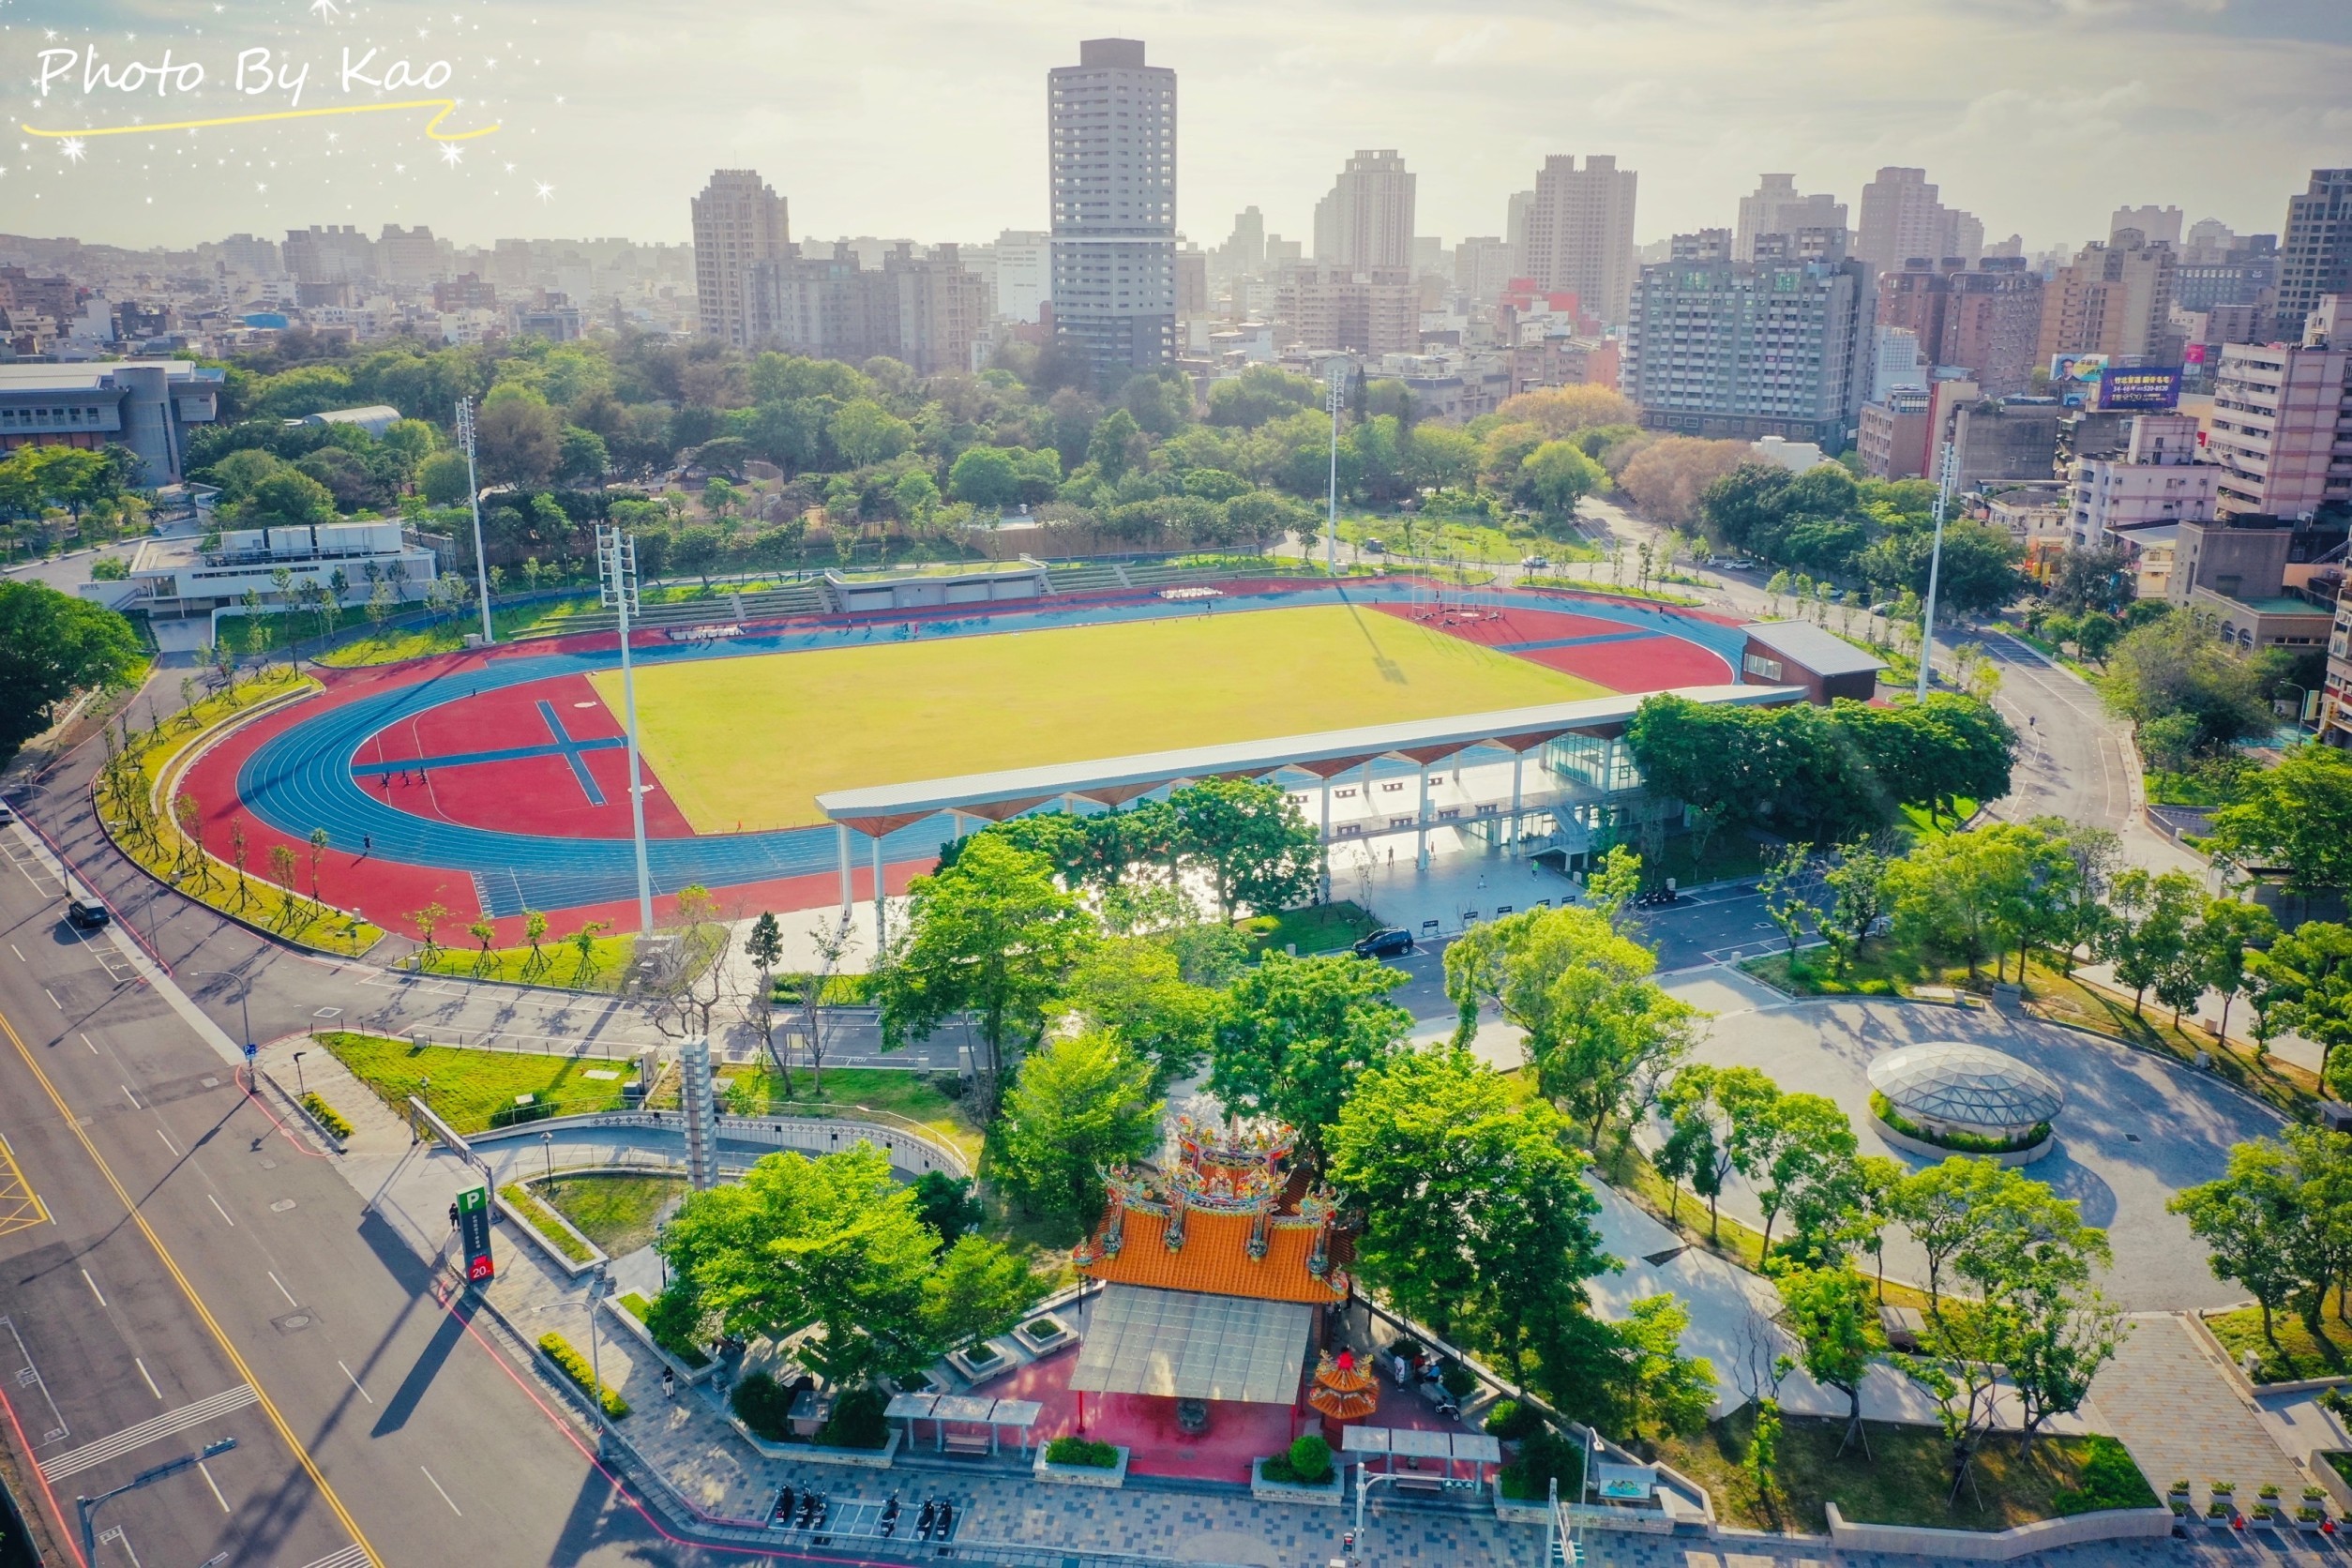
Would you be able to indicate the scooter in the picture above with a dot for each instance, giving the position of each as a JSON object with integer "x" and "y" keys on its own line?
{"x": 890, "y": 1517}
{"x": 782, "y": 1517}
{"x": 924, "y": 1520}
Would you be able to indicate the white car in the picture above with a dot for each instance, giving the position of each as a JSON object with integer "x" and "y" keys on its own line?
{"x": 1535, "y": 563}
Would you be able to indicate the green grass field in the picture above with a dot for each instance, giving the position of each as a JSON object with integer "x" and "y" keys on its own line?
{"x": 756, "y": 740}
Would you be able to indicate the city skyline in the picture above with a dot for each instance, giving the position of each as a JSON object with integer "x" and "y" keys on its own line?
{"x": 606, "y": 117}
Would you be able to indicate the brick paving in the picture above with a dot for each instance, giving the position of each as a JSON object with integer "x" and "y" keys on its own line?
{"x": 2179, "y": 1410}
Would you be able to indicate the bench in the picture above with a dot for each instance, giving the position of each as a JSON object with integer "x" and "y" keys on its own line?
{"x": 966, "y": 1443}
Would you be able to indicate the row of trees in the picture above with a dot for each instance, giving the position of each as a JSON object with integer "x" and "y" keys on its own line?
{"x": 2278, "y": 1222}
{"x": 1879, "y": 533}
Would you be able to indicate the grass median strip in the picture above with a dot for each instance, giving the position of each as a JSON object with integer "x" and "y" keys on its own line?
{"x": 543, "y": 1220}
{"x": 476, "y": 1090}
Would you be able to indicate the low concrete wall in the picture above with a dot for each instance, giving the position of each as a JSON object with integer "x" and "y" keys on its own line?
{"x": 1926, "y": 1149}
{"x": 915, "y": 1152}
{"x": 2116, "y": 1523}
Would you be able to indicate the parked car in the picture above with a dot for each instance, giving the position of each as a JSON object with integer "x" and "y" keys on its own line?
{"x": 7, "y": 816}
{"x": 1375, "y": 547}
{"x": 1536, "y": 564}
{"x": 85, "y": 913}
{"x": 1387, "y": 942}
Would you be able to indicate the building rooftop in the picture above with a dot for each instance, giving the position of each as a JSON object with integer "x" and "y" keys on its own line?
{"x": 1822, "y": 652}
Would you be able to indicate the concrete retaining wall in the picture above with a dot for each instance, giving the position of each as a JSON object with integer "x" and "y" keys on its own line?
{"x": 2116, "y": 1523}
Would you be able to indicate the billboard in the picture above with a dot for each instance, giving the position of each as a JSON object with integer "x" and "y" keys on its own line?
{"x": 2147, "y": 389}
{"x": 2075, "y": 378}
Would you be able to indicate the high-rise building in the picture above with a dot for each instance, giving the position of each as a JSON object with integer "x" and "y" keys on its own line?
{"x": 1482, "y": 267}
{"x": 2316, "y": 255}
{"x": 1367, "y": 219}
{"x": 928, "y": 312}
{"x": 1244, "y": 253}
{"x": 739, "y": 223}
{"x": 2282, "y": 427}
{"x": 1024, "y": 274}
{"x": 255, "y": 258}
{"x": 1580, "y": 236}
{"x": 1337, "y": 309}
{"x": 2154, "y": 224}
{"x": 1518, "y": 218}
{"x": 1742, "y": 350}
{"x": 1895, "y": 363}
{"x": 1985, "y": 319}
{"x": 1775, "y": 209}
{"x": 1112, "y": 136}
{"x": 1900, "y": 218}
{"x": 2157, "y": 480}
{"x": 330, "y": 255}
{"x": 2241, "y": 270}
{"x": 407, "y": 255}
{"x": 2114, "y": 299}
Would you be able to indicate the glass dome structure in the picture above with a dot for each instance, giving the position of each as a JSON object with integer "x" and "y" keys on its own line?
{"x": 1950, "y": 1087}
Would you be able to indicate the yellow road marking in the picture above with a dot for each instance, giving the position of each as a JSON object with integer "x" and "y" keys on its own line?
{"x": 19, "y": 1205}
{"x": 269, "y": 1406}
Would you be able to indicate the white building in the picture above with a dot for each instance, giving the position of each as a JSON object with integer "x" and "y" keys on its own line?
{"x": 1024, "y": 274}
{"x": 739, "y": 221}
{"x": 1900, "y": 218}
{"x": 1794, "y": 456}
{"x": 1898, "y": 363}
{"x": 176, "y": 576}
{"x": 1112, "y": 123}
{"x": 2158, "y": 480}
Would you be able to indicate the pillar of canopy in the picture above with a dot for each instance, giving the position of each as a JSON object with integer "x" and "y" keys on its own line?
{"x": 876, "y": 828}
{"x": 1423, "y": 756}
{"x": 1519, "y": 746}
{"x": 1326, "y": 769}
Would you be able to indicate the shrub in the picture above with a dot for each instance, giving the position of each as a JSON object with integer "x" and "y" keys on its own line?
{"x": 1512, "y": 1421}
{"x": 575, "y": 1366}
{"x": 1959, "y": 1144}
{"x": 1544, "y": 1457}
{"x": 2108, "y": 1479}
{"x": 1305, "y": 1463}
{"x": 675, "y": 1319}
{"x": 761, "y": 1404}
{"x": 326, "y": 1116}
{"x": 1458, "y": 1379}
{"x": 1078, "y": 1451}
{"x": 857, "y": 1420}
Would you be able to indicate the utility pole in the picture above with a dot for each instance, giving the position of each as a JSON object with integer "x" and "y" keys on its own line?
{"x": 616, "y": 569}
{"x": 1336, "y": 399}
{"x": 473, "y": 494}
{"x": 1946, "y": 471}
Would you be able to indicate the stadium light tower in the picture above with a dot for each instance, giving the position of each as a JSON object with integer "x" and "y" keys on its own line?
{"x": 616, "y": 571}
{"x": 1335, "y": 399}
{"x": 473, "y": 494}
{"x": 1947, "y": 471}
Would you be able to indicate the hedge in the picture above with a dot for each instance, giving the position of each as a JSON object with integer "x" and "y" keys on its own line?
{"x": 575, "y": 1366}
{"x": 1959, "y": 1144}
{"x": 326, "y": 1116}
{"x": 1079, "y": 1451}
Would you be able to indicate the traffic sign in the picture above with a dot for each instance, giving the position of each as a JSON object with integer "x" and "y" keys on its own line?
{"x": 474, "y": 1230}
{"x": 252, "y": 1050}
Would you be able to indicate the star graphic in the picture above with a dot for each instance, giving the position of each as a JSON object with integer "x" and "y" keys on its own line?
{"x": 400, "y": 168}
{"x": 73, "y": 148}
{"x": 324, "y": 8}
{"x": 261, "y": 184}
{"x": 452, "y": 155}
{"x": 547, "y": 192}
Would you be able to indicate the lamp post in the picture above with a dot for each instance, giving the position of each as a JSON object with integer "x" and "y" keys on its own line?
{"x": 1337, "y": 397}
{"x": 299, "y": 1087}
{"x": 2303, "y": 696}
{"x": 616, "y": 567}
{"x": 547, "y": 1144}
{"x": 473, "y": 494}
{"x": 1947, "y": 470}
{"x": 87, "y": 1507}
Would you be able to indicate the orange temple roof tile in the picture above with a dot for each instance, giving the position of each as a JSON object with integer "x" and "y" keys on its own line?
{"x": 1216, "y": 1261}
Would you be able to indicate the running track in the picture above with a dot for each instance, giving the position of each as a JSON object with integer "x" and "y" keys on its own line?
{"x": 311, "y": 773}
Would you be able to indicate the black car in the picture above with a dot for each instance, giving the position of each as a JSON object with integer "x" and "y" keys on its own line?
{"x": 1386, "y": 942}
{"x": 87, "y": 914}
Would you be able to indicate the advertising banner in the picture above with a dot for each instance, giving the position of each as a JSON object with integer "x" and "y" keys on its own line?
{"x": 2147, "y": 389}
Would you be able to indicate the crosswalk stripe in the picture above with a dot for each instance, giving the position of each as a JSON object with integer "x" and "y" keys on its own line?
{"x": 349, "y": 1557}
{"x": 73, "y": 1461}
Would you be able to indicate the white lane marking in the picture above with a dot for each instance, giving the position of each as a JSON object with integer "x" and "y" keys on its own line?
{"x": 356, "y": 1383}
{"x": 73, "y": 1461}
{"x": 148, "y": 1376}
{"x": 445, "y": 1496}
{"x": 349, "y": 1557}
{"x": 206, "y": 1472}
{"x": 283, "y": 1291}
{"x": 167, "y": 1142}
{"x": 132, "y": 1098}
{"x": 85, "y": 1040}
{"x": 93, "y": 1285}
{"x": 18, "y": 951}
{"x": 218, "y": 1210}
{"x": 52, "y": 999}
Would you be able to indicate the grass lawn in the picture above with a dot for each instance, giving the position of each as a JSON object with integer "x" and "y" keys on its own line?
{"x": 756, "y": 739}
{"x": 1317, "y": 928}
{"x": 557, "y": 964}
{"x": 916, "y": 1096}
{"x": 2292, "y": 1352}
{"x": 469, "y": 1086}
{"x": 535, "y": 1209}
{"x": 617, "y": 1212}
{"x": 1905, "y": 1480}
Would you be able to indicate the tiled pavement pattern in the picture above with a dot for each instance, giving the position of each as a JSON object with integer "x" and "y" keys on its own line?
{"x": 2180, "y": 1413}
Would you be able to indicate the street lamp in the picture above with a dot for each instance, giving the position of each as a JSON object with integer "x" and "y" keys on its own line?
{"x": 299, "y": 1087}
{"x": 547, "y": 1143}
{"x": 2303, "y": 695}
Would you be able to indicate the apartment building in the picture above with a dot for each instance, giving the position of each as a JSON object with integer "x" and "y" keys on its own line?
{"x": 1580, "y": 233}
{"x": 1111, "y": 127}
{"x": 2316, "y": 253}
{"x": 1902, "y": 217}
{"x": 2114, "y": 298}
{"x": 1985, "y": 319}
{"x": 1366, "y": 222}
{"x": 1342, "y": 309}
{"x": 2158, "y": 480}
{"x": 739, "y": 223}
{"x": 928, "y": 311}
{"x": 2282, "y": 422}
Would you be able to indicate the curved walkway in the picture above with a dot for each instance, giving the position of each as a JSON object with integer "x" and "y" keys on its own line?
{"x": 308, "y": 775}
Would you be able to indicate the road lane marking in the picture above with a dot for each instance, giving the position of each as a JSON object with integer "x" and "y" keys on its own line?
{"x": 93, "y": 1285}
{"x": 445, "y": 1496}
{"x": 356, "y": 1383}
{"x": 349, "y": 1557}
{"x": 207, "y": 1473}
{"x": 132, "y": 1098}
{"x": 283, "y": 1290}
{"x": 73, "y": 1461}
{"x": 85, "y": 1040}
{"x": 148, "y": 1376}
{"x": 168, "y": 1144}
{"x": 218, "y": 1210}
{"x": 18, "y": 951}
{"x": 52, "y": 999}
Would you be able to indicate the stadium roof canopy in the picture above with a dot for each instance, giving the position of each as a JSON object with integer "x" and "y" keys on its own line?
{"x": 1115, "y": 780}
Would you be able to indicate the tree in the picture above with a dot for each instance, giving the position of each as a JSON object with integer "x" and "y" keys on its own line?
{"x": 1803, "y": 1166}
{"x": 1251, "y": 839}
{"x": 2246, "y": 1217}
{"x": 2306, "y": 981}
{"x": 1704, "y": 1105}
{"x": 1135, "y": 989}
{"x": 1858, "y": 887}
{"x": 2178, "y": 666}
{"x": 2149, "y": 934}
{"x": 1558, "y": 474}
{"x": 1078, "y": 1106}
{"x": 51, "y": 645}
{"x": 1296, "y": 1036}
{"x": 287, "y": 499}
{"x": 991, "y": 936}
{"x": 981, "y": 1288}
{"x": 1666, "y": 1391}
{"x": 2297, "y": 817}
{"x": 764, "y": 947}
{"x": 441, "y": 478}
{"x": 833, "y": 1241}
{"x": 518, "y": 437}
{"x": 1827, "y": 1310}
{"x": 1474, "y": 1208}
{"x": 1563, "y": 411}
{"x": 947, "y": 1206}
{"x": 1786, "y": 881}
{"x": 1971, "y": 893}
{"x": 2220, "y": 948}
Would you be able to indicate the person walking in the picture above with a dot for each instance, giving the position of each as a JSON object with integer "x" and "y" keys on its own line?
{"x": 669, "y": 1383}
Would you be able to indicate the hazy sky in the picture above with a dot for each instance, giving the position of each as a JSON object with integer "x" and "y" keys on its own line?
{"x": 925, "y": 118}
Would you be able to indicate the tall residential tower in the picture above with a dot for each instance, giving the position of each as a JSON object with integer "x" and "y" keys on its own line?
{"x": 1366, "y": 221}
{"x": 1112, "y": 140}
{"x": 1580, "y": 236}
{"x": 739, "y": 223}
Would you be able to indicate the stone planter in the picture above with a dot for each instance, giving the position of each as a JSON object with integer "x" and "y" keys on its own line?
{"x": 2333, "y": 1481}
{"x": 1330, "y": 1494}
{"x": 1080, "y": 1475}
{"x": 2220, "y": 1521}
{"x": 977, "y": 1363}
{"x": 1058, "y": 1335}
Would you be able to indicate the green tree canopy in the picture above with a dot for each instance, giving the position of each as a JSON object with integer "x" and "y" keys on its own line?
{"x": 2296, "y": 817}
{"x": 1078, "y": 1104}
{"x": 53, "y": 645}
{"x": 1296, "y": 1035}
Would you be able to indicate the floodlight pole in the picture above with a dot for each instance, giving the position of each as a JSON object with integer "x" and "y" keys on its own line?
{"x": 616, "y": 565}
{"x": 474, "y": 494}
{"x": 1946, "y": 471}
{"x": 1331, "y": 531}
